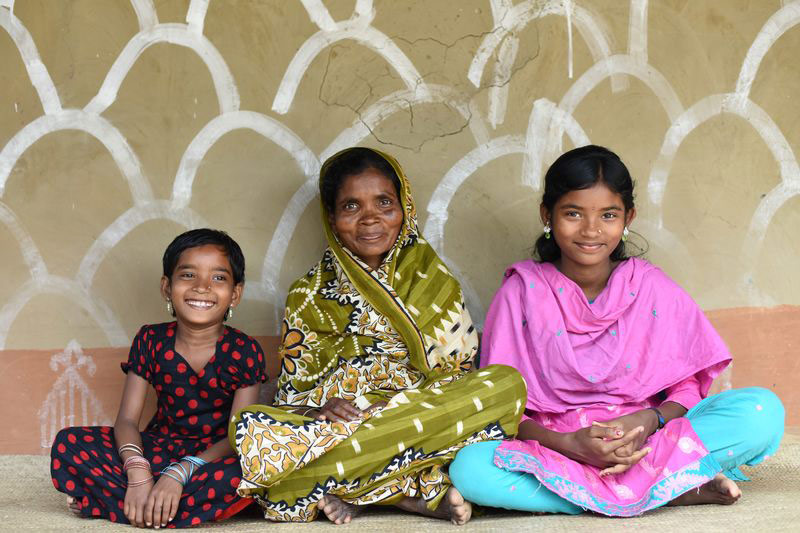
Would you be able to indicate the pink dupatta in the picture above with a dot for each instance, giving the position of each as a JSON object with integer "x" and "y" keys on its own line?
{"x": 596, "y": 361}
{"x": 641, "y": 335}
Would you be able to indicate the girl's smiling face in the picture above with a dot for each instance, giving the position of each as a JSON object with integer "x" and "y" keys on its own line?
{"x": 587, "y": 225}
{"x": 201, "y": 287}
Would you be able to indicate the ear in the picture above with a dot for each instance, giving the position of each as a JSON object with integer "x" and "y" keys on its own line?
{"x": 166, "y": 290}
{"x": 544, "y": 214}
{"x": 629, "y": 216}
{"x": 237, "y": 294}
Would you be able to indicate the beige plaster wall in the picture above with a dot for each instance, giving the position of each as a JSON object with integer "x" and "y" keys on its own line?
{"x": 122, "y": 123}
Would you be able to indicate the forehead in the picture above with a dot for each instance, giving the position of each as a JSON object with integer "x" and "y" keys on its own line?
{"x": 598, "y": 196}
{"x": 205, "y": 255}
{"x": 370, "y": 181}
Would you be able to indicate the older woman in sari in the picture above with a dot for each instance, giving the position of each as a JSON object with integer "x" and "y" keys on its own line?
{"x": 374, "y": 397}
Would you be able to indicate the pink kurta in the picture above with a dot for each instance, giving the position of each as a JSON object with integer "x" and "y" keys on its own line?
{"x": 643, "y": 341}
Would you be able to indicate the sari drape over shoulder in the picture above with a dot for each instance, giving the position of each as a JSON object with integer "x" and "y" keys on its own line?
{"x": 642, "y": 341}
{"x": 399, "y": 334}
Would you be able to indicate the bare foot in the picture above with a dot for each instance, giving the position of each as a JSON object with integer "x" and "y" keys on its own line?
{"x": 336, "y": 510}
{"x": 453, "y": 507}
{"x": 73, "y": 505}
{"x": 460, "y": 510}
{"x": 720, "y": 490}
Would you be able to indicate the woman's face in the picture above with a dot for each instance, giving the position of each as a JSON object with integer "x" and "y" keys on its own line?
{"x": 587, "y": 225}
{"x": 367, "y": 215}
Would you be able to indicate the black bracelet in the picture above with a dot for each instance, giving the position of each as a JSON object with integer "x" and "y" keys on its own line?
{"x": 661, "y": 421}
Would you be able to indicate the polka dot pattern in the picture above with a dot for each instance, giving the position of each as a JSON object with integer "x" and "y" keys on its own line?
{"x": 190, "y": 399}
{"x": 99, "y": 484}
{"x": 193, "y": 408}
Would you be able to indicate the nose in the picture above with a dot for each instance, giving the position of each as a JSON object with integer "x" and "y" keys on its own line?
{"x": 590, "y": 226}
{"x": 202, "y": 284}
{"x": 369, "y": 215}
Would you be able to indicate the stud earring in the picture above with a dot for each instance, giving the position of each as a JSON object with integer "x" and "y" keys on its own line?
{"x": 229, "y": 313}
{"x": 170, "y": 310}
{"x": 625, "y": 234}
{"x": 547, "y": 230}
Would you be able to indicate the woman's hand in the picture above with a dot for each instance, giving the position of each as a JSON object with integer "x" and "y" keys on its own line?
{"x": 597, "y": 445}
{"x": 337, "y": 410}
{"x": 162, "y": 504}
{"x": 136, "y": 497}
{"x": 377, "y": 406}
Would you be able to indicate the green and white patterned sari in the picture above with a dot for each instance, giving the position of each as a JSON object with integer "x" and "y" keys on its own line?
{"x": 399, "y": 334}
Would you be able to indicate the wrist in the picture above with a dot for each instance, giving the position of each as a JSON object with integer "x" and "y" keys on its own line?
{"x": 138, "y": 474}
{"x": 563, "y": 443}
{"x": 655, "y": 420}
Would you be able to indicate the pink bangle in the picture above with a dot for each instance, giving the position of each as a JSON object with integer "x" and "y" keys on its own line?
{"x": 140, "y": 482}
{"x": 136, "y": 461}
{"x": 131, "y": 448}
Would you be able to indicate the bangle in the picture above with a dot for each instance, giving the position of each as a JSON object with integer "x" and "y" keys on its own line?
{"x": 131, "y": 448}
{"x": 661, "y": 421}
{"x": 136, "y": 461}
{"x": 169, "y": 473}
{"x": 140, "y": 482}
{"x": 178, "y": 472}
{"x": 196, "y": 461}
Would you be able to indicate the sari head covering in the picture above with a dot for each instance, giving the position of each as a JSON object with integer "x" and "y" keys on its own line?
{"x": 640, "y": 336}
{"x": 397, "y": 334}
{"x": 408, "y": 314}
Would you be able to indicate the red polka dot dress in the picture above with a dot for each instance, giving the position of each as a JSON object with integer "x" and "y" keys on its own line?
{"x": 193, "y": 411}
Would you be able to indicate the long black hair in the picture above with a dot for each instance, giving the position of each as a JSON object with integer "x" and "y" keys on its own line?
{"x": 579, "y": 169}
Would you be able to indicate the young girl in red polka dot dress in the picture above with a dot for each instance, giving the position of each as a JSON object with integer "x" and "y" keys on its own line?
{"x": 181, "y": 470}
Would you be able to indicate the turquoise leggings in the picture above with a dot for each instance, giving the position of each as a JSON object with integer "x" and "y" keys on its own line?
{"x": 740, "y": 426}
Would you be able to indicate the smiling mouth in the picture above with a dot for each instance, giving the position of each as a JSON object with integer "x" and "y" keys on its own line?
{"x": 200, "y": 304}
{"x": 589, "y": 246}
{"x": 371, "y": 238}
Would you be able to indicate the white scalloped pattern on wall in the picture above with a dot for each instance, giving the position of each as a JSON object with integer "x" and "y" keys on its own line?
{"x": 548, "y": 123}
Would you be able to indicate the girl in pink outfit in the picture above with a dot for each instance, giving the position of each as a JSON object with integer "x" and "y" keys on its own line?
{"x": 618, "y": 361}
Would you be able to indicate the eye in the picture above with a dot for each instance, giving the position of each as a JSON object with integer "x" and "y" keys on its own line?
{"x": 350, "y": 206}
{"x": 572, "y": 214}
{"x": 386, "y": 202}
{"x": 186, "y": 275}
{"x": 220, "y": 277}
{"x": 609, "y": 216}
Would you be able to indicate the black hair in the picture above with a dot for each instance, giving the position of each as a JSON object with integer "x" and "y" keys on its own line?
{"x": 202, "y": 237}
{"x": 349, "y": 163}
{"x": 579, "y": 169}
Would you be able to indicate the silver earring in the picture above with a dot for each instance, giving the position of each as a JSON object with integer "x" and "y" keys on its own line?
{"x": 625, "y": 234}
{"x": 547, "y": 230}
{"x": 170, "y": 310}
{"x": 229, "y": 313}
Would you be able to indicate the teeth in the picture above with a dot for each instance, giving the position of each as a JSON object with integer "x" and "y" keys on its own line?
{"x": 199, "y": 303}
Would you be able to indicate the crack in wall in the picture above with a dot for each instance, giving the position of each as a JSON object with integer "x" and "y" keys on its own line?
{"x": 357, "y": 110}
{"x": 469, "y": 95}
